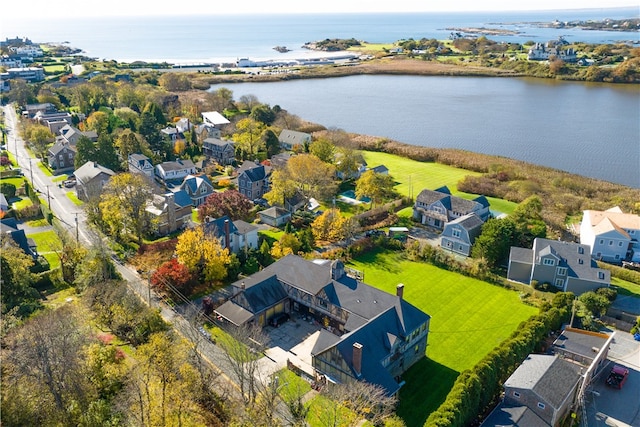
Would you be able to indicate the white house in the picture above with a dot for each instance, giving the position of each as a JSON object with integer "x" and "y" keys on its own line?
{"x": 612, "y": 235}
{"x": 177, "y": 170}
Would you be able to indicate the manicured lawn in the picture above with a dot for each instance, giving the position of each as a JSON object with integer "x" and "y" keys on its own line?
{"x": 413, "y": 176}
{"x": 626, "y": 288}
{"x": 47, "y": 243}
{"x": 72, "y": 196}
{"x": 44, "y": 169}
{"x": 272, "y": 235}
{"x": 469, "y": 318}
{"x": 21, "y": 202}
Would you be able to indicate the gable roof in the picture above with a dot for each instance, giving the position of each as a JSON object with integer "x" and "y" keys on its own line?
{"x": 583, "y": 343}
{"x": 182, "y": 199}
{"x": 575, "y": 256}
{"x": 293, "y": 137}
{"x": 274, "y": 212}
{"x": 10, "y": 226}
{"x": 380, "y": 169}
{"x": 469, "y": 222}
{"x": 254, "y": 171}
{"x": 549, "y": 377}
{"x": 194, "y": 182}
{"x": 615, "y": 216}
{"x": 59, "y": 146}
{"x": 244, "y": 227}
{"x": 177, "y": 165}
{"x": 219, "y": 142}
{"x": 90, "y": 170}
{"x": 506, "y": 415}
{"x": 215, "y": 227}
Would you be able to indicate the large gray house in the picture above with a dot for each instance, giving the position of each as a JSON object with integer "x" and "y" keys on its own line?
{"x": 459, "y": 235}
{"x": 567, "y": 266}
{"x": 368, "y": 334}
{"x": 437, "y": 207}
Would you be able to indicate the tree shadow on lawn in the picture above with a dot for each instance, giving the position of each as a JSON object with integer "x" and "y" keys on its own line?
{"x": 427, "y": 385}
{"x": 382, "y": 260}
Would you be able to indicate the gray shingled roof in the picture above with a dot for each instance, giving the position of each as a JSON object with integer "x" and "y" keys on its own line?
{"x": 90, "y": 170}
{"x": 468, "y": 222}
{"x": 452, "y": 203}
{"x": 523, "y": 255}
{"x": 583, "y": 344}
{"x": 579, "y": 264}
{"x": 505, "y": 415}
{"x": 549, "y": 377}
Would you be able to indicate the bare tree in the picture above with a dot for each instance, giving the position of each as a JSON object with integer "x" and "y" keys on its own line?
{"x": 242, "y": 352}
{"x": 361, "y": 399}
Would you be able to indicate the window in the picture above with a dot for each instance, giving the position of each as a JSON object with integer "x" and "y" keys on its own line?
{"x": 601, "y": 275}
{"x": 540, "y": 405}
{"x": 602, "y": 241}
{"x": 617, "y": 256}
{"x": 620, "y": 244}
{"x": 580, "y": 250}
{"x": 548, "y": 261}
{"x": 455, "y": 232}
{"x": 559, "y": 283}
{"x": 610, "y": 242}
{"x": 516, "y": 394}
{"x": 561, "y": 271}
{"x": 581, "y": 261}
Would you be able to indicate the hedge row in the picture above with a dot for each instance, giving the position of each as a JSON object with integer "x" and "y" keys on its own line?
{"x": 477, "y": 388}
{"x": 621, "y": 272}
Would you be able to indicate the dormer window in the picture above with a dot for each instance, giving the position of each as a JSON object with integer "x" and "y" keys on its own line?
{"x": 548, "y": 261}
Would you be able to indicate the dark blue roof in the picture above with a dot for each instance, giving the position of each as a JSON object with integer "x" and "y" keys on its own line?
{"x": 182, "y": 199}
{"x": 216, "y": 227}
{"x": 262, "y": 295}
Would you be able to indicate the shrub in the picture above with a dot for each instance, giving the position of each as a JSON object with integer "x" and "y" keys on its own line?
{"x": 8, "y": 189}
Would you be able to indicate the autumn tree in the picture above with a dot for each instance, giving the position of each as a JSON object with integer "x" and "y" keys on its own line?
{"x": 312, "y": 177}
{"x": 172, "y": 277}
{"x": 128, "y": 142}
{"x": 229, "y": 203}
{"x": 17, "y": 280}
{"x": 39, "y": 138}
{"x": 263, "y": 113}
{"x": 376, "y": 186}
{"x": 332, "y": 226}
{"x": 323, "y": 149}
{"x": 98, "y": 121}
{"x": 174, "y": 82}
{"x": 203, "y": 255}
{"x": 124, "y": 203}
{"x": 249, "y": 138}
{"x": 348, "y": 162}
{"x": 282, "y": 187}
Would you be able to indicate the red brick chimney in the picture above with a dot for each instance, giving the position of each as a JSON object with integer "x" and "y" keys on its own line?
{"x": 400, "y": 290}
{"x": 357, "y": 358}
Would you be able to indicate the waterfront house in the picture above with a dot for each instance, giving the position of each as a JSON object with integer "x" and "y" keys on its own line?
{"x": 90, "y": 179}
{"x": 436, "y": 208}
{"x": 291, "y": 138}
{"x": 223, "y": 152}
{"x": 459, "y": 235}
{"x": 565, "y": 265}
{"x": 552, "y": 49}
{"x": 140, "y": 164}
{"x": 174, "y": 171}
{"x": 366, "y": 334}
{"x": 612, "y": 235}
{"x": 198, "y": 188}
{"x": 253, "y": 179}
{"x": 215, "y": 119}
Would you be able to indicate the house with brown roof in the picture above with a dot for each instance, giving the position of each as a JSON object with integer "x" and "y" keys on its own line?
{"x": 612, "y": 235}
{"x": 437, "y": 207}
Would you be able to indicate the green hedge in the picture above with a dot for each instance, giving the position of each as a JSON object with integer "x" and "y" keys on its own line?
{"x": 478, "y": 388}
{"x": 621, "y": 272}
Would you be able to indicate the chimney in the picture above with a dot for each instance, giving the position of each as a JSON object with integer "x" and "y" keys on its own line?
{"x": 400, "y": 290}
{"x": 227, "y": 236}
{"x": 357, "y": 358}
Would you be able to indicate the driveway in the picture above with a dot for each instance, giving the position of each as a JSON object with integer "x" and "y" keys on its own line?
{"x": 291, "y": 341}
{"x": 607, "y": 406}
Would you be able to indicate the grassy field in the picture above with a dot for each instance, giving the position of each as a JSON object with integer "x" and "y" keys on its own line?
{"x": 47, "y": 243}
{"x": 626, "y": 288}
{"x": 72, "y": 196}
{"x": 413, "y": 176}
{"x": 271, "y": 235}
{"x": 469, "y": 318}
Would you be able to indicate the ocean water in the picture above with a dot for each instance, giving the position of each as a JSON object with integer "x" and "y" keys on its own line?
{"x": 225, "y": 38}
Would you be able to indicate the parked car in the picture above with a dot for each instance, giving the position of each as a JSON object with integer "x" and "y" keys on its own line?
{"x": 618, "y": 376}
{"x": 278, "y": 319}
{"x": 69, "y": 183}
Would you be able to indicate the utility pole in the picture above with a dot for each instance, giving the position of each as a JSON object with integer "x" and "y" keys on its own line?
{"x": 31, "y": 171}
{"x": 48, "y": 197}
{"x": 76, "y": 214}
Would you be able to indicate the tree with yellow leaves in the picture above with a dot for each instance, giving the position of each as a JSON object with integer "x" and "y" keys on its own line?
{"x": 332, "y": 226}
{"x": 203, "y": 255}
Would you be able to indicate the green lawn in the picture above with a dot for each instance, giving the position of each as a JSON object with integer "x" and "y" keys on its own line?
{"x": 272, "y": 235}
{"x": 22, "y": 203}
{"x": 44, "y": 169}
{"x": 72, "y": 196}
{"x": 625, "y": 288}
{"x": 47, "y": 243}
{"x": 469, "y": 318}
{"x": 413, "y": 176}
